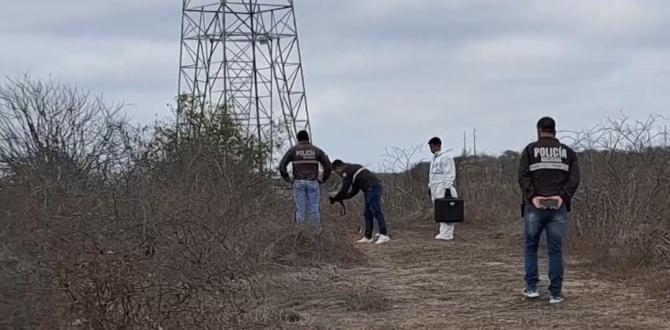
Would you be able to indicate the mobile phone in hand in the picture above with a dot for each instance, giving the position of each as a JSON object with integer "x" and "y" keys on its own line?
{"x": 551, "y": 204}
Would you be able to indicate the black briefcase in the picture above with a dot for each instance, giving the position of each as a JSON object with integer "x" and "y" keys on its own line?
{"x": 449, "y": 210}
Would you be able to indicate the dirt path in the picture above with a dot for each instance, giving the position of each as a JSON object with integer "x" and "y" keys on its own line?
{"x": 473, "y": 282}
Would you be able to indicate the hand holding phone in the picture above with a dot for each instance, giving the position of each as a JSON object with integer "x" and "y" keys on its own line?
{"x": 548, "y": 203}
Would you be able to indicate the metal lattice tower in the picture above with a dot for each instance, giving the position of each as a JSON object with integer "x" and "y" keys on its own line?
{"x": 245, "y": 54}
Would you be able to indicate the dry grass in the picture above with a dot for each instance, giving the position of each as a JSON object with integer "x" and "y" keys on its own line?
{"x": 181, "y": 236}
{"x": 183, "y": 243}
{"x": 188, "y": 235}
{"x": 621, "y": 214}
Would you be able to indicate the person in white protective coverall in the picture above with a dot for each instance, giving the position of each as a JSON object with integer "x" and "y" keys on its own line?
{"x": 441, "y": 182}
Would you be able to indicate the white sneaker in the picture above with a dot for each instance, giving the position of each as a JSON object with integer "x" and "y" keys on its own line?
{"x": 444, "y": 237}
{"x": 382, "y": 239}
{"x": 556, "y": 299}
{"x": 365, "y": 240}
{"x": 530, "y": 293}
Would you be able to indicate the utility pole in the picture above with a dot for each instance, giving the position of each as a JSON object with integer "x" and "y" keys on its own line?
{"x": 665, "y": 136}
{"x": 474, "y": 142}
{"x": 465, "y": 144}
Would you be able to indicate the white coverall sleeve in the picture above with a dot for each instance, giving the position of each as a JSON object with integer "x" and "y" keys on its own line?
{"x": 449, "y": 171}
{"x": 430, "y": 174}
{"x": 444, "y": 177}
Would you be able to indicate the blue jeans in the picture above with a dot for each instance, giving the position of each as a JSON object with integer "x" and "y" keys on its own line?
{"x": 306, "y": 194}
{"x": 554, "y": 222}
{"x": 374, "y": 210}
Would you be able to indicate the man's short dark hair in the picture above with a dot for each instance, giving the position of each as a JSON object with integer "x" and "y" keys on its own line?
{"x": 337, "y": 163}
{"x": 546, "y": 124}
{"x": 303, "y": 136}
{"x": 435, "y": 141}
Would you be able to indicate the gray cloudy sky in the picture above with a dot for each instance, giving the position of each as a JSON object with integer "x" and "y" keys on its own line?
{"x": 383, "y": 73}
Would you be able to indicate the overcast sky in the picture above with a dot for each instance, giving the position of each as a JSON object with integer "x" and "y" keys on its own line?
{"x": 383, "y": 73}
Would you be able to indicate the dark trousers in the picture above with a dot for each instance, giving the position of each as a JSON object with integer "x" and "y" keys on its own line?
{"x": 553, "y": 223}
{"x": 374, "y": 210}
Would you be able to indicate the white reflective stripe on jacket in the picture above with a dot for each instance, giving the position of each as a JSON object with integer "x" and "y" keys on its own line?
{"x": 442, "y": 175}
{"x": 353, "y": 180}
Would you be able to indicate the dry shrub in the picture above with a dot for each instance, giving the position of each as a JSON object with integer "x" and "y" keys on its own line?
{"x": 621, "y": 213}
{"x": 406, "y": 184}
{"x": 167, "y": 254}
{"x": 300, "y": 246}
{"x": 182, "y": 249}
{"x": 489, "y": 185}
{"x": 178, "y": 237}
{"x": 621, "y": 208}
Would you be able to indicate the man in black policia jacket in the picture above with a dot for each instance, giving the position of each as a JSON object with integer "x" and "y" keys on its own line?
{"x": 356, "y": 178}
{"x": 305, "y": 159}
{"x": 549, "y": 177}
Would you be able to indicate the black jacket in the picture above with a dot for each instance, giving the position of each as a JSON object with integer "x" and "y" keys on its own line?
{"x": 548, "y": 168}
{"x": 354, "y": 179}
{"x": 305, "y": 158}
